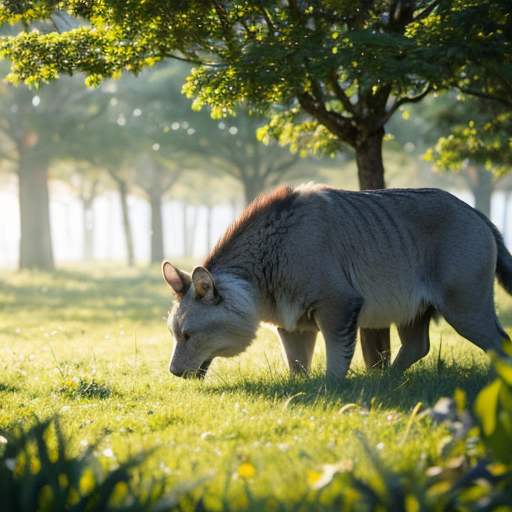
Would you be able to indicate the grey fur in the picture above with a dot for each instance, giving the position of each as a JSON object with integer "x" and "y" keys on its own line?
{"x": 316, "y": 258}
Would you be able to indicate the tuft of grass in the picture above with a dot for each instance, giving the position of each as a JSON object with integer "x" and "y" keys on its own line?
{"x": 37, "y": 473}
{"x": 85, "y": 388}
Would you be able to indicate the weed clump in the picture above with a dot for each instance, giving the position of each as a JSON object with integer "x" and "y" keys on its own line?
{"x": 37, "y": 472}
{"x": 86, "y": 388}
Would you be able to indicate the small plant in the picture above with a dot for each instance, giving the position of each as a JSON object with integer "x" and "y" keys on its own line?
{"x": 38, "y": 474}
{"x": 466, "y": 482}
{"x": 86, "y": 388}
{"x": 493, "y": 408}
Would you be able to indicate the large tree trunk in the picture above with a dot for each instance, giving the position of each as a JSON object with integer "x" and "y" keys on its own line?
{"x": 123, "y": 193}
{"x": 36, "y": 242}
{"x": 157, "y": 230}
{"x": 190, "y": 214}
{"x": 375, "y": 343}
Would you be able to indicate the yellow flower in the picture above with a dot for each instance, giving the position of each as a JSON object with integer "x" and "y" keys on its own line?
{"x": 246, "y": 470}
{"x": 313, "y": 477}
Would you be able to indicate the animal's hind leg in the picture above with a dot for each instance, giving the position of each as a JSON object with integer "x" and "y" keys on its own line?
{"x": 298, "y": 347}
{"x": 415, "y": 341}
{"x": 479, "y": 324}
{"x": 467, "y": 300}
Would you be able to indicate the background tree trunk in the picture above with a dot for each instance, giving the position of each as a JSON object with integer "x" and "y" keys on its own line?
{"x": 157, "y": 230}
{"x": 36, "y": 241}
{"x": 375, "y": 343}
{"x": 189, "y": 228}
{"x": 88, "y": 227}
{"x": 481, "y": 183}
{"x": 123, "y": 193}
{"x": 253, "y": 185}
{"x": 87, "y": 195}
{"x": 209, "y": 228}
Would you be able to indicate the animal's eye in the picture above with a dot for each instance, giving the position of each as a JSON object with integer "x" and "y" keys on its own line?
{"x": 186, "y": 336}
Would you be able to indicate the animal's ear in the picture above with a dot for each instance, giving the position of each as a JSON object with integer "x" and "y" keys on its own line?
{"x": 178, "y": 281}
{"x": 205, "y": 286}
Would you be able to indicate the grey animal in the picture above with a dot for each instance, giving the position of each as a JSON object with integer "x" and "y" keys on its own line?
{"x": 315, "y": 259}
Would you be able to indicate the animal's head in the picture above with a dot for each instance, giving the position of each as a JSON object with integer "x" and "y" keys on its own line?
{"x": 208, "y": 319}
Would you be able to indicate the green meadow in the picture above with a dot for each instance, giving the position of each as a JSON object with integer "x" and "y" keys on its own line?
{"x": 90, "y": 346}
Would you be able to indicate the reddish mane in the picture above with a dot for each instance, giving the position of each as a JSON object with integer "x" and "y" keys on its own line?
{"x": 257, "y": 209}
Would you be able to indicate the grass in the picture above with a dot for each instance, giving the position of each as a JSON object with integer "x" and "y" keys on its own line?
{"x": 91, "y": 345}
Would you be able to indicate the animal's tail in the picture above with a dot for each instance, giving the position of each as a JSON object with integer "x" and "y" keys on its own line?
{"x": 504, "y": 266}
{"x": 504, "y": 263}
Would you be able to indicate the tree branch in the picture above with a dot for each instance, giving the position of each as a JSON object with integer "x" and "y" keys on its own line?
{"x": 403, "y": 101}
{"x": 268, "y": 20}
{"x": 471, "y": 92}
{"x": 342, "y": 127}
{"x": 340, "y": 94}
{"x": 226, "y": 28}
{"x": 279, "y": 168}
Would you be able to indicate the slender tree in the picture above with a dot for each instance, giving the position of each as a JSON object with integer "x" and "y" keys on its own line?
{"x": 41, "y": 126}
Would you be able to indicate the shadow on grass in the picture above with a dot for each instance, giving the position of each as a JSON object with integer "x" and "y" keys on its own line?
{"x": 374, "y": 389}
{"x": 137, "y": 294}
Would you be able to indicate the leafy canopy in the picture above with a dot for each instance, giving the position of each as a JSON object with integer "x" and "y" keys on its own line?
{"x": 339, "y": 60}
{"x": 347, "y": 64}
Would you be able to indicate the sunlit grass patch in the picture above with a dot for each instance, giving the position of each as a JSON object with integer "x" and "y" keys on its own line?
{"x": 95, "y": 349}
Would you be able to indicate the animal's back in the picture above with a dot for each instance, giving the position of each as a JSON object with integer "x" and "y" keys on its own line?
{"x": 395, "y": 248}
{"x": 401, "y": 249}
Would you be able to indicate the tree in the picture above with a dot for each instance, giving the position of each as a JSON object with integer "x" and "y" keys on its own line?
{"x": 41, "y": 126}
{"x": 337, "y": 70}
{"x": 226, "y": 146}
{"x": 232, "y": 146}
{"x": 478, "y": 36}
{"x": 472, "y": 41}
{"x": 482, "y": 146}
{"x": 468, "y": 135}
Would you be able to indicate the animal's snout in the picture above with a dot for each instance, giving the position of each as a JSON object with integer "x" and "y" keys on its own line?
{"x": 198, "y": 373}
{"x": 177, "y": 373}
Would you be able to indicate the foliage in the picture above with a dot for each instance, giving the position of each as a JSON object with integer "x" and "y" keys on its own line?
{"x": 337, "y": 63}
{"x": 38, "y": 473}
{"x": 493, "y": 408}
{"x": 486, "y": 142}
{"x": 328, "y": 73}
{"x": 473, "y": 40}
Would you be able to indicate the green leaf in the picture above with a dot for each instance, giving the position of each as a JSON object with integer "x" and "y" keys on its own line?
{"x": 493, "y": 408}
{"x": 486, "y": 408}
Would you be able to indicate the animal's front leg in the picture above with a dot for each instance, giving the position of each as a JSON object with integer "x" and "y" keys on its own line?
{"x": 298, "y": 347}
{"x": 338, "y": 323}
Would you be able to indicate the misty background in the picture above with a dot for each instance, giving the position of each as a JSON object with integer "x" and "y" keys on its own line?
{"x": 134, "y": 174}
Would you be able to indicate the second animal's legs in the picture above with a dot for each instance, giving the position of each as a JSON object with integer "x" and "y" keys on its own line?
{"x": 298, "y": 347}
{"x": 375, "y": 344}
{"x": 415, "y": 341}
